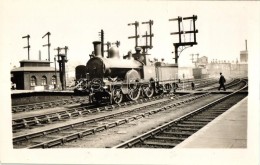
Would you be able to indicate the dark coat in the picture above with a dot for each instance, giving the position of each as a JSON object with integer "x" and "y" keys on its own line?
{"x": 222, "y": 79}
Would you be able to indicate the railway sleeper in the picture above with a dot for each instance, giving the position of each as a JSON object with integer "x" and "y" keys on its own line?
{"x": 169, "y": 138}
{"x": 183, "y": 129}
{"x": 41, "y": 140}
{"x": 56, "y": 136}
{"x": 199, "y": 123}
{"x": 71, "y": 137}
{"x": 178, "y": 134}
{"x": 212, "y": 113}
{"x": 137, "y": 141}
{"x": 17, "y": 126}
{"x": 67, "y": 133}
{"x": 159, "y": 144}
{"x": 216, "y": 109}
{"x": 111, "y": 125}
{"x": 145, "y": 146}
{"x": 164, "y": 140}
{"x": 196, "y": 125}
{"x": 20, "y": 140}
{"x": 102, "y": 128}
{"x": 79, "y": 129}
{"x": 199, "y": 119}
{"x": 204, "y": 117}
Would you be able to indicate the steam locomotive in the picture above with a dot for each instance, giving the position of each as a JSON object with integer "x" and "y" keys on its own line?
{"x": 111, "y": 79}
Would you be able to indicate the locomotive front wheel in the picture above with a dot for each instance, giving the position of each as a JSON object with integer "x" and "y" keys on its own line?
{"x": 148, "y": 91}
{"x": 117, "y": 96}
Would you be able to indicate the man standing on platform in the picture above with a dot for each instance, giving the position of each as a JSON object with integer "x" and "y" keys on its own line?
{"x": 222, "y": 81}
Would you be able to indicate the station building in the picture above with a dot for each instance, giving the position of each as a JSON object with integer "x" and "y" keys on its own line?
{"x": 35, "y": 75}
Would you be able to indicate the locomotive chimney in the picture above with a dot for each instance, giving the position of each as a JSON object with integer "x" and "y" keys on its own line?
{"x": 97, "y": 48}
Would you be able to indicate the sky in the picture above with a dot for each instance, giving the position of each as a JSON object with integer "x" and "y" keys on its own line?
{"x": 223, "y": 27}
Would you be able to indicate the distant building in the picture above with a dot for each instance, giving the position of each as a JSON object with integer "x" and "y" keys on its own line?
{"x": 202, "y": 61}
{"x": 243, "y": 56}
{"x": 215, "y": 68}
{"x": 35, "y": 75}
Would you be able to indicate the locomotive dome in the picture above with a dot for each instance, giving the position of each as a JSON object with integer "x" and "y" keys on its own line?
{"x": 114, "y": 52}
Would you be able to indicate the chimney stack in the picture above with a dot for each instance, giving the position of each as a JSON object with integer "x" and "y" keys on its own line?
{"x": 40, "y": 55}
{"x": 97, "y": 48}
{"x": 246, "y": 45}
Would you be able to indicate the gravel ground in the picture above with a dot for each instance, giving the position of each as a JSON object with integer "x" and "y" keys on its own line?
{"x": 117, "y": 135}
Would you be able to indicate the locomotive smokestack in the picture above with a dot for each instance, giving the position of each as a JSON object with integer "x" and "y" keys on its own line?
{"x": 97, "y": 48}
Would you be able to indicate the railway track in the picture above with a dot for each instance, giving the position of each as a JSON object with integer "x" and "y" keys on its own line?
{"x": 198, "y": 84}
{"x": 60, "y": 135}
{"x": 234, "y": 84}
{"x": 81, "y": 100}
{"x": 33, "y": 121}
{"x": 36, "y": 120}
{"x": 174, "y": 132}
{"x": 48, "y": 104}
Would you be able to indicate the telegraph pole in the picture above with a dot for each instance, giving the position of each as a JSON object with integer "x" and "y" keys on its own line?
{"x": 136, "y": 36}
{"x": 182, "y": 32}
{"x": 62, "y": 59}
{"x": 108, "y": 44}
{"x": 117, "y": 43}
{"x": 28, "y": 45}
{"x": 195, "y": 61}
{"x": 150, "y": 35}
{"x": 102, "y": 42}
{"x": 147, "y": 35}
{"x": 49, "y": 44}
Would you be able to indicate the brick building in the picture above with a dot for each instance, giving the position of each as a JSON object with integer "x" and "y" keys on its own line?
{"x": 35, "y": 75}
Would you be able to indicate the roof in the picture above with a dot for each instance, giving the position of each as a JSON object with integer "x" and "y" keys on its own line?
{"x": 204, "y": 57}
{"x": 33, "y": 69}
{"x": 38, "y": 61}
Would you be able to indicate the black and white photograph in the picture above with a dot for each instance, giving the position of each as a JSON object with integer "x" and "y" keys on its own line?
{"x": 129, "y": 82}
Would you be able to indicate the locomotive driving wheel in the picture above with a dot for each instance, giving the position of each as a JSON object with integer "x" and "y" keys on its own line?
{"x": 148, "y": 90}
{"x": 117, "y": 95}
{"x": 133, "y": 92}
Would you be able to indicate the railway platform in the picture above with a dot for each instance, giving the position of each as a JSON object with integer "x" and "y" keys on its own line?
{"x": 21, "y": 97}
{"x": 43, "y": 91}
{"x": 229, "y": 130}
